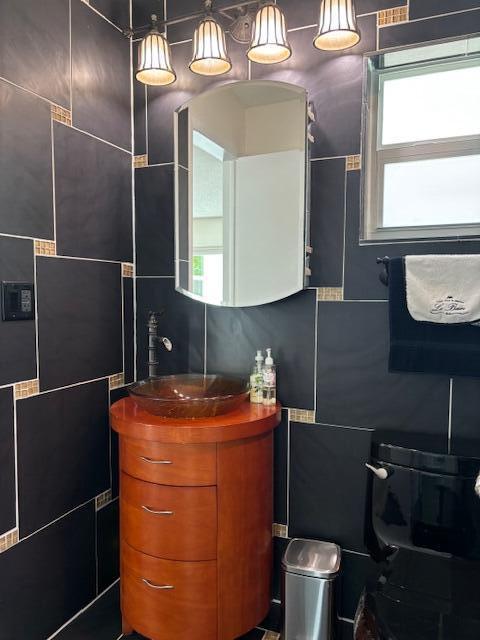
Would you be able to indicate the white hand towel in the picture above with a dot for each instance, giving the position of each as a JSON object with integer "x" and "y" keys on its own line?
{"x": 443, "y": 289}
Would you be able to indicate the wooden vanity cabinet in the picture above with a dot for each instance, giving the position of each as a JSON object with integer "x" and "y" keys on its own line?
{"x": 195, "y": 521}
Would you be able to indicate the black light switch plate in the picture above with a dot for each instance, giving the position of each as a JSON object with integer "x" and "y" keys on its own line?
{"x": 18, "y": 301}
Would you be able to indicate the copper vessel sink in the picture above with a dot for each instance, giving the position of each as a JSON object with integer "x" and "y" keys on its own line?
{"x": 189, "y": 395}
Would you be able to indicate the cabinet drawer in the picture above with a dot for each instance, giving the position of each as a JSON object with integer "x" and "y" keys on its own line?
{"x": 178, "y": 523}
{"x": 165, "y": 599}
{"x": 176, "y": 464}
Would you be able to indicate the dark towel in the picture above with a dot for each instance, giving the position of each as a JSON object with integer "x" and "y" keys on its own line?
{"x": 427, "y": 347}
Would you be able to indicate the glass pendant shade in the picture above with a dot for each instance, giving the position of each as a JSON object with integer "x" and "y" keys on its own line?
{"x": 337, "y": 26}
{"x": 269, "y": 37}
{"x": 210, "y": 56}
{"x": 154, "y": 60}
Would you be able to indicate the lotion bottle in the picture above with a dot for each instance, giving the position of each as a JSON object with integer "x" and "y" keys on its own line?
{"x": 256, "y": 380}
{"x": 269, "y": 380}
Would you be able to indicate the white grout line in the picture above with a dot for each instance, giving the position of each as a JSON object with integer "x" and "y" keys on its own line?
{"x": 70, "y": 53}
{"x": 92, "y": 135}
{"x": 104, "y": 17}
{"x": 15, "y": 447}
{"x": 450, "y": 408}
{"x": 356, "y": 553}
{"x": 315, "y": 355}
{"x": 146, "y": 119}
{"x": 70, "y": 386}
{"x": 96, "y": 551}
{"x": 134, "y": 231}
{"x": 345, "y": 183}
{"x": 122, "y": 293}
{"x": 79, "y": 613}
{"x": 288, "y": 467}
{"x": 346, "y": 619}
{"x": 54, "y": 187}
{"x": 64, "y": 515}
{"x": 37, "y": 95}
{"x": 153, "y": 277}
{"x": 61, "y": 257}
{"x": 329, "y": 158}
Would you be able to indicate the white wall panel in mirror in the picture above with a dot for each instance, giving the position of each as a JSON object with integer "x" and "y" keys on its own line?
{"x": 240, "y": 160}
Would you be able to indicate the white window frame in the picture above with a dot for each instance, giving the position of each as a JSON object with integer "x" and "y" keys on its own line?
{"x": 377, "y": 155}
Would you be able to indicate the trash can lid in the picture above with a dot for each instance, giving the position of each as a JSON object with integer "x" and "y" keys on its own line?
{"x": 312, "y": 558}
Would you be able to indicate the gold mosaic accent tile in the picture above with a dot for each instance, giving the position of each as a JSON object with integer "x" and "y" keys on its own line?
{"x": 103, "y": 499}
{"x": 116, "y": 381}
{"x": 301, "y": 415}
{"x": 354, "y": 163}
{"x": 271, "y": 635}
{"x": 127, "y": 270}
{"x": 329, "y": 294}
{"x": 140, "y": 161}
{"x": 279, "y": 530}
{"x": 26, "y": 389}
{"x": 392, "y": 16}
{"x": 8, "y": 540}
{"x": 45, "y": 248}
{"x": 61, "y": 115}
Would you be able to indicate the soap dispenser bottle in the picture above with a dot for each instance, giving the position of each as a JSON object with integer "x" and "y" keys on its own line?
{"x": 256, "y": 380}
{"x": 269, "y": 380}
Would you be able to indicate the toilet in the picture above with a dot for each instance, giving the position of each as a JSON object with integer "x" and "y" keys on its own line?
{"x": 423, "y": 531}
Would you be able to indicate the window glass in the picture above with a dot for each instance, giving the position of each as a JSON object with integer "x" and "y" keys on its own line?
{"x": 439, "y": 191}
{"x": 431, "y": 106}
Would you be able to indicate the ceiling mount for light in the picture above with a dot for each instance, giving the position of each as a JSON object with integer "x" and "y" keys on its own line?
{"x": 269, "y": 43}
{"x": 154, "y": 58}
{"x": 210, "y": 57}
{"x": 337, "y": 26}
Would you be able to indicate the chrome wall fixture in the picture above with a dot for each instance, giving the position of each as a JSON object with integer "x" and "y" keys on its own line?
{"x": 261, "y": 25}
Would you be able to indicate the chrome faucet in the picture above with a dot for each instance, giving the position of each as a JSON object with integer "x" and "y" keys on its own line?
{"x": 153, "y": 340}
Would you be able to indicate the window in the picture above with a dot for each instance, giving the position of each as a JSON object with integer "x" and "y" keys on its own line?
{"x": 422, "y": 155}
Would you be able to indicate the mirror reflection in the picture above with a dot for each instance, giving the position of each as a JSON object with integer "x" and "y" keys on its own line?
{"x": 240, "y": 193}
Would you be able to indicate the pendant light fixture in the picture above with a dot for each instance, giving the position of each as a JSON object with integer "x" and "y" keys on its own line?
{"x": 154, "y": 59}
{"x": 269, "y": 43}
{"x": 337, "y": 26}
{"x": 210, "y": 56}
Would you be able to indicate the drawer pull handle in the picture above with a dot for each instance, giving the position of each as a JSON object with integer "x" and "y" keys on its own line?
{"x": 163, "y": 587}
{"x": 150, "y": 461}
{"x": 157, "y": 513}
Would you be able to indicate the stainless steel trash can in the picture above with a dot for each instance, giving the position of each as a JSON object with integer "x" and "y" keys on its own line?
{"x": 309, "y": 571}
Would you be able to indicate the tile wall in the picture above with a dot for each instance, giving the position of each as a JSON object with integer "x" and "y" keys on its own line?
{"x": 330, "y": 341}
{"x": 66, "y": 226}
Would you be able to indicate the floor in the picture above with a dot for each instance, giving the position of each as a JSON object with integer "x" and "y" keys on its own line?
{"x": 101, "y": 621}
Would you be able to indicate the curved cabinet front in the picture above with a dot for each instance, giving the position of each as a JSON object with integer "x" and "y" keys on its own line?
{"x": 196, "y": 522}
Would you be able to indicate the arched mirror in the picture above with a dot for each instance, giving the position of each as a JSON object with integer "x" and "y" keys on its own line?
{"x": 241, "y": 174}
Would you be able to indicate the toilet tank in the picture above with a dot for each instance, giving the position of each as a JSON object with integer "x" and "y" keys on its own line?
{"x": 428, "y": 502}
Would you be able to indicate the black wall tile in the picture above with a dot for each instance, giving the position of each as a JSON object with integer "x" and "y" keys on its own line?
{"x": 328, "y": 483}
{"x": 279, "y": 547}
{"x": 7, "y": 462}
{"x": 34, "y": 47}
{"x": 457, "y": 24}
{"x": 354, "y": 387}
{"x": 357, "y": 569}
{"x": 183, "y": 323}
{"x": 80, "y": 320}
{"x": 426, "y": 8}
{"x": 26, "y": 188}
{"x": 101, "y": 621}
{"x": 128, "y": 330}
{"x": 93, "y": 193}
{"x": 117, "y": 11}
{"x": 327, "y": 222}
{"x": 108, "y": 545}
{"x": 115, "y": 395}
{"x": 154, "y": 221}
{"x": 47, "y": 578}
{"x": 139, "y": 109}
{"x": 344, "y": 630}
{"x": 288, "y": 326}
{"x": 17, "y": 339}
{"x": 300, "y": 13}
{"x": 63, "y": 452}
{"x": 367, "y": 6}
{"x": 280, "y": 470}
{"x": 100, "y": 77}
{"x": 465, "y": 409}
{"x": 143, "y": 9}
{"x": 162, "y": 101}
